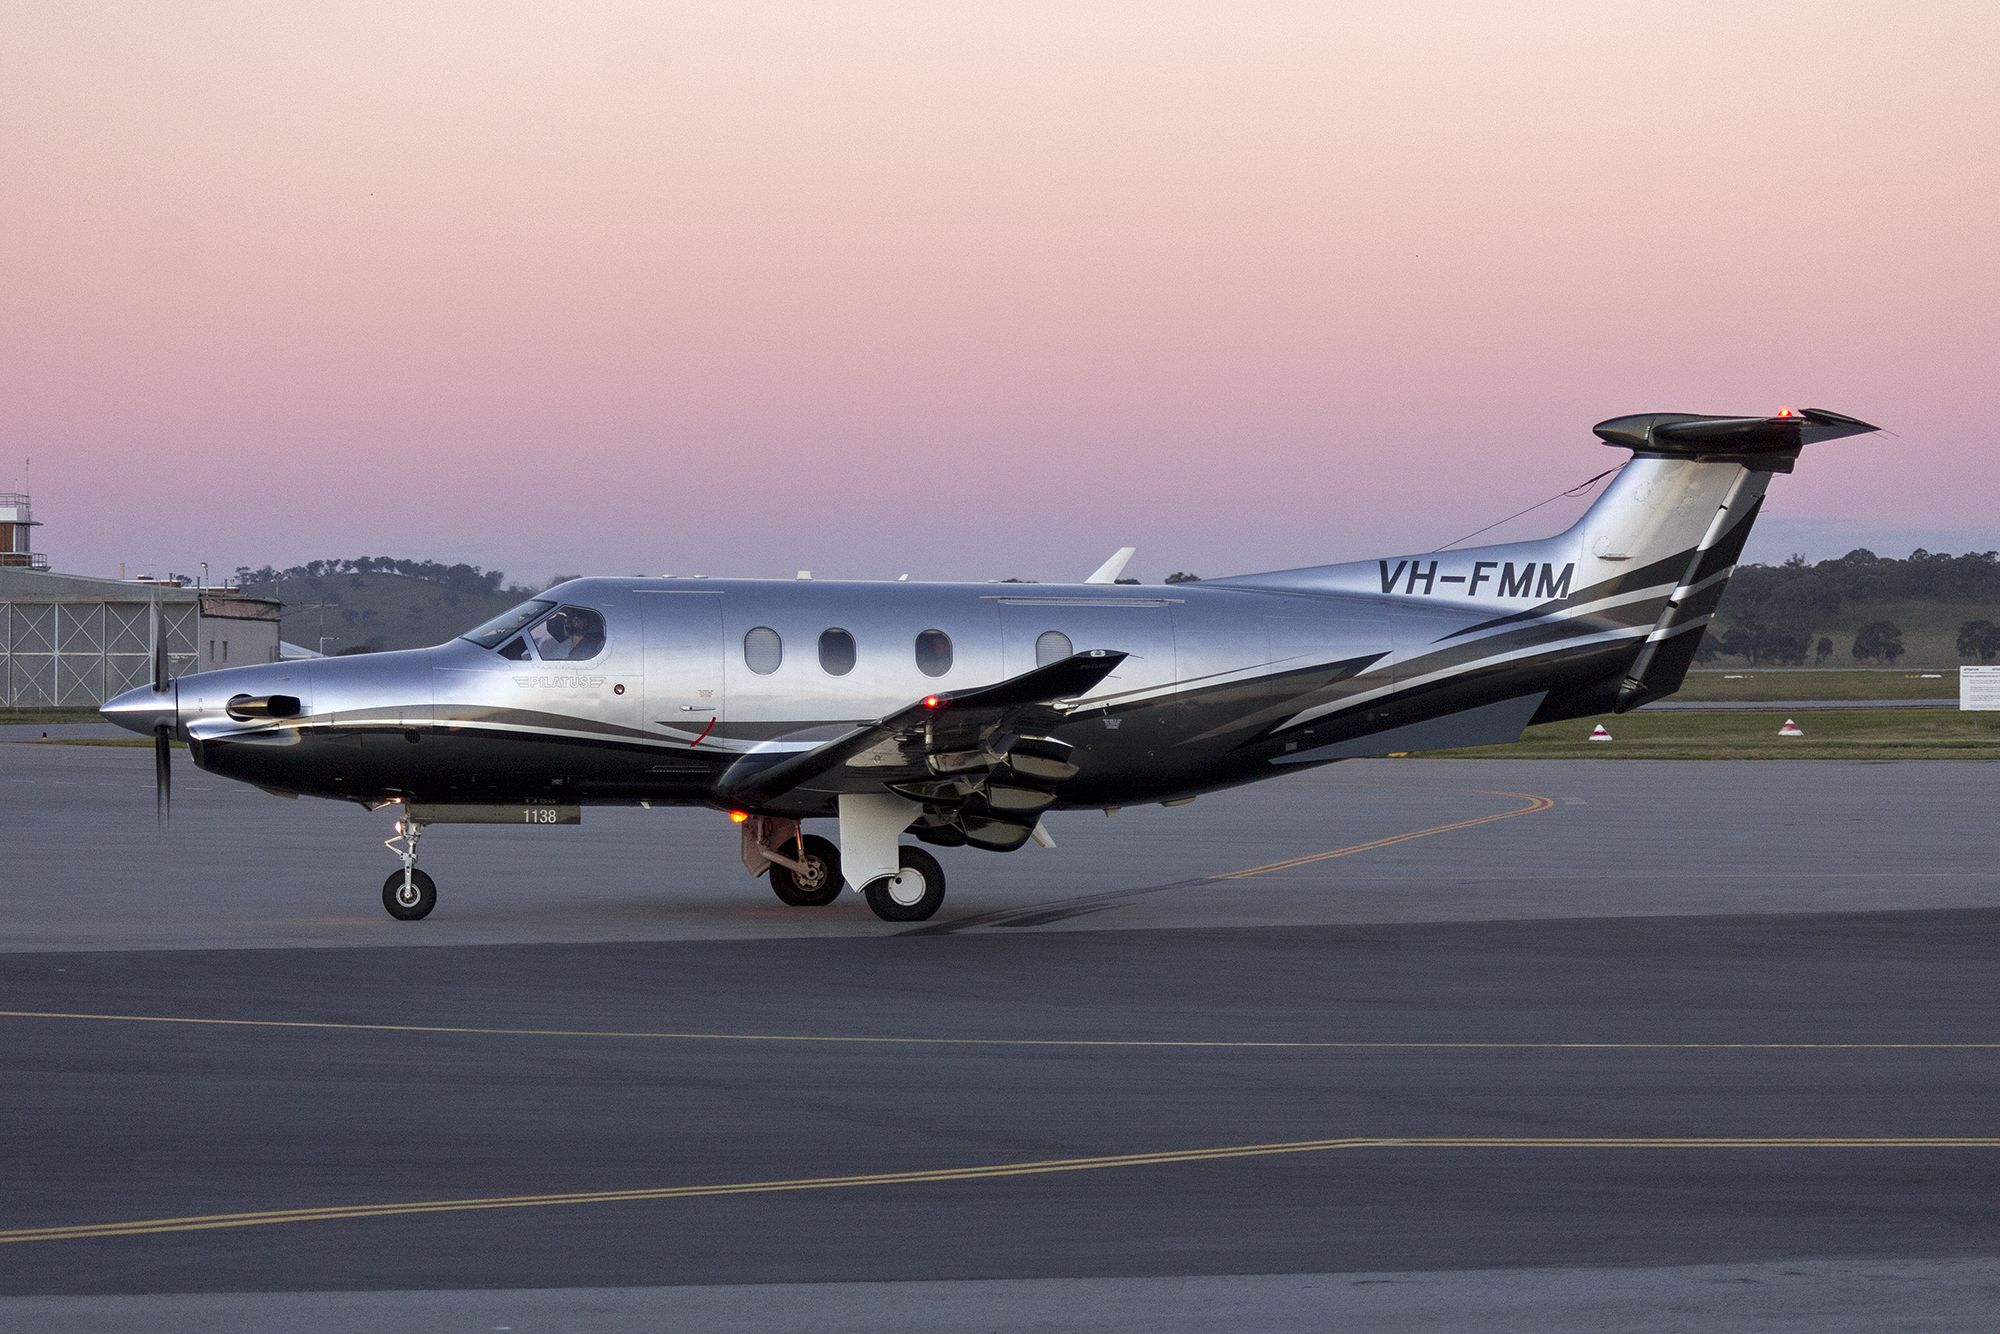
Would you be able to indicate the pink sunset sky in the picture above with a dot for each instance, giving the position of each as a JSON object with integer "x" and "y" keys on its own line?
{"x": 974, "y": 290}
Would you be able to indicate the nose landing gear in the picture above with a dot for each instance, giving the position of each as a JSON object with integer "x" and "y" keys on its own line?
{"x": 408, "y": 894}
{"x": 813, "y": 878}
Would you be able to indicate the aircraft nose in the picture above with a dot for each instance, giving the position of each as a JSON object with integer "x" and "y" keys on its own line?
{"x": 144, "y": 709}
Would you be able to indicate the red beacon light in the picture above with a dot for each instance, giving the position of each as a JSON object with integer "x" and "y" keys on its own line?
{"x": 1786, "y": 412}
{"x": 933, "y": 701}
{"x": 738, "y": 817}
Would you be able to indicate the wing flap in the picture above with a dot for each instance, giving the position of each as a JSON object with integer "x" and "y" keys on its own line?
{"x": 899, "y": 746}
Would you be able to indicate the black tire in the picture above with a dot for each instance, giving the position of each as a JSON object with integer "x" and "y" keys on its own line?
{"x": 423, "y": 898}
{"x": 892, "y": 896}
{"x": 820, "y": 886}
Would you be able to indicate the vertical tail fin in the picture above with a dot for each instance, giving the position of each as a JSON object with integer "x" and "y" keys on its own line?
{"x": 1611, "y": 610}
{"x": 1682, "y": 465}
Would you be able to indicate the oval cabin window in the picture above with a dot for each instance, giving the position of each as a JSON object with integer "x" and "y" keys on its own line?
{"x": 763, "y": 650}
{"x": 1052, "y": 646}
{"x": 933, "y": 653}
{"x": 836, "y": 652}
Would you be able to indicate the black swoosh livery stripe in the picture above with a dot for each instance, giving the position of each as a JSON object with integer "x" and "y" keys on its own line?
{"x": 1658, "y": 572}
{"x": 1725, "y": 553}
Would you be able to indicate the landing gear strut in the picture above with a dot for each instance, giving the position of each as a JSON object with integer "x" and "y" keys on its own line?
{"x": 408, "y": 894}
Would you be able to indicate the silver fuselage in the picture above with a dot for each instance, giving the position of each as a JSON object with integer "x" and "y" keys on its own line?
{"x": 671, "y": 703}
{"x": 698, "y": 683}
{"x": 1224, "y": 681}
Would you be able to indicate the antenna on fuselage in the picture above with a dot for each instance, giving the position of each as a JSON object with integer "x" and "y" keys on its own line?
{"x": 1108, "y": 572}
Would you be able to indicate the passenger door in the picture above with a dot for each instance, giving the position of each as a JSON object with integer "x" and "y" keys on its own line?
{"x": 684, "y": 690}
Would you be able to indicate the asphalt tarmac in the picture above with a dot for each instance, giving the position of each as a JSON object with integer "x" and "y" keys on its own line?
{"x": 1406, "y": 1043}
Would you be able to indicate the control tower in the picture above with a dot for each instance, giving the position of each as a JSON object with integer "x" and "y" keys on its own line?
{"x": 16, "y": 529}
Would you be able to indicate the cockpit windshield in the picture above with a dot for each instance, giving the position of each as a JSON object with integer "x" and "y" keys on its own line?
{"x": 490, "y": 634}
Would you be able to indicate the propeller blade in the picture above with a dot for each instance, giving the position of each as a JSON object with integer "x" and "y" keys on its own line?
{"x": 159, "y": 648}
{"x": 163, "y": 773}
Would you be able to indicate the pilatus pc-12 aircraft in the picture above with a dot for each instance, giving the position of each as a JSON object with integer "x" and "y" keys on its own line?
{"x": 962, "y": 713}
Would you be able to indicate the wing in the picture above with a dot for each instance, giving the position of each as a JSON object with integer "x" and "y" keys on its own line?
{"x": 950, "y": 745}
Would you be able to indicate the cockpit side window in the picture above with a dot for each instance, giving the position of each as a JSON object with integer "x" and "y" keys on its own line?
{"x": 515, "y": 649}
{"x": 569, "y": 634}
{"x": 494, "y": 632}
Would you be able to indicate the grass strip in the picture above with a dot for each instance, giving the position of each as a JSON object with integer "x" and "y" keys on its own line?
{"x": 1843, "y": 734}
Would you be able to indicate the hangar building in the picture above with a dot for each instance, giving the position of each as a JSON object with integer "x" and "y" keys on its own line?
{"x": 71, "y": 641}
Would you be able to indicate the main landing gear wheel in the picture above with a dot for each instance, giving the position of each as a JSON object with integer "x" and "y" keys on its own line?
{"x": 408, "y": 901}
{"x": 911, "y": 896}
{"x": 815, "y": 886}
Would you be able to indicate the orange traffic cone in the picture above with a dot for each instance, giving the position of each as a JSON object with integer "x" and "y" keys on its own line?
{"x": 1791, "y": 729}
{"x": 1598, "y": 733}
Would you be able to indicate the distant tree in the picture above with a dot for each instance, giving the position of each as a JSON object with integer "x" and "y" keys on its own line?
{"x": 1979, "y": 639}
{"x": 1705, "y": 651}
{"x": 1183, "y": 577}
{"x": 1740, "y": 641}
{"x": 1822, "y": 651}
{"x": 1783, "y": 645}
{"x": 1124, "y": 581}
{"x": 1878, "y": 641}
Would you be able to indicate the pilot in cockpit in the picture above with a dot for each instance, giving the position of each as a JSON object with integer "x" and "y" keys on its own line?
{"x": 571, "y": 635}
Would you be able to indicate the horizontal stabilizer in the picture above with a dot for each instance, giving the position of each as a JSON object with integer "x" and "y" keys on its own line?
{"x": 1766, "y": 442}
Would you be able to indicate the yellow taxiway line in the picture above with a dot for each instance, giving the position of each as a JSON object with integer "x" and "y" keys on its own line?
{"x": 1041, "y": 1167}
{"x": 1534, "y": 805}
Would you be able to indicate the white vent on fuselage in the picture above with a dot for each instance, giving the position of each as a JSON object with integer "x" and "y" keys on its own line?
{"x": 1052, "y": 646}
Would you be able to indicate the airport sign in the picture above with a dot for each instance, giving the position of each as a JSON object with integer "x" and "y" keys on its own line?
{"x": 1978, "y": 688}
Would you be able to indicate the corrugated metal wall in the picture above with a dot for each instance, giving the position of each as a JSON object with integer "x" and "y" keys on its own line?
{"x": 79, "y": 654}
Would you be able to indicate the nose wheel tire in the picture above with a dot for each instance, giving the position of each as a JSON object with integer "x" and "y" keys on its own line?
{"x": 412, "y": 901}
{"x": 912, "y": 895}
{"x": 815, "y": 886}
